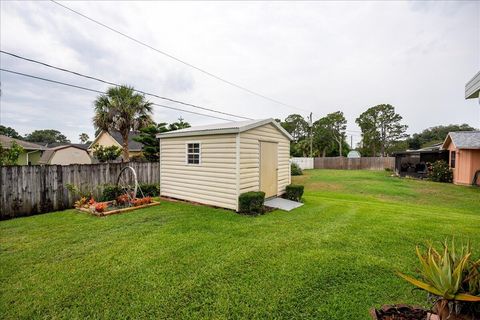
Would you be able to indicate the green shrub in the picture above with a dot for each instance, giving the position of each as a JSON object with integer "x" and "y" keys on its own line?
{"x": 149, "y": 190}
{"x": 440, "y": 172}
{"x": 294, "y": 192}
{"x": 110, "y": 192}
{"x": 295, "y": 170}
{"x": 106, "y": 154}
{"x": 77, "y": 192}
{"x": 251, "y": 202}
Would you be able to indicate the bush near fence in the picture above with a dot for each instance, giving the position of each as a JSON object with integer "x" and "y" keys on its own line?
{"x": 365, "y": 163}
{"x": 29, "y": 190}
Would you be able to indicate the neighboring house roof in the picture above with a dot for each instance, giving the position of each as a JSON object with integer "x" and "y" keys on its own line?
{"x": 59, "y": 144}
{"x": 434, "y": 147}
{"x": 29, "y": 146}
{"x": 132, "y": 144}
{"x": 463, "y": 140}
{"x": 49, "y": 153}
{"x": 472, "y": 88}
{"x": 223, "y": 128}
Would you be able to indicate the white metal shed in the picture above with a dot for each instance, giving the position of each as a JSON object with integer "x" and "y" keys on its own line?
{"x": 214, "y": 164}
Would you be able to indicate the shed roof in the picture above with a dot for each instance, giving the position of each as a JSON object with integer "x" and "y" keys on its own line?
{"x": 223, "y": 128}
{"x": 7, "y": 143}
{"x": 49, "y": 153}
{"x": 463, "y": 139}
{"x": 60, "y": 144}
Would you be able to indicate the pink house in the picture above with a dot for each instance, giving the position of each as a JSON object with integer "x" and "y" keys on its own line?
{"x": 464, "y": 156}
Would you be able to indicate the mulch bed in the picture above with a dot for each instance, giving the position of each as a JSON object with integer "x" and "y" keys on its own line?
{"x": 120, "y": 210}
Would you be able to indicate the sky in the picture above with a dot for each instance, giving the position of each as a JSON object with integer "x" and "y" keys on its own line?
{"x": 316, "y": 57}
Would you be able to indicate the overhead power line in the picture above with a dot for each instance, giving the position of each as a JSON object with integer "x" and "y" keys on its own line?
{"x": 103, "y": 92}
{"x": 178, "y": 59}
{"x": 118, "y": 85}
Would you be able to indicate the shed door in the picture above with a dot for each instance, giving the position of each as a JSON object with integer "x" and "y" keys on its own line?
{"x": 268, "y": 168}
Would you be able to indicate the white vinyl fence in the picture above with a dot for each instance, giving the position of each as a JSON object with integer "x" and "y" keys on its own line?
{"x": 303, "y": 162}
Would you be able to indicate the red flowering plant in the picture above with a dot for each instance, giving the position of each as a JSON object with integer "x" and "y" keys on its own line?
{"x": 136, "y": 202}
{"x": 100, "y": 207}
{"x": 91, "y": 201}
{"x": 122, "y": 199}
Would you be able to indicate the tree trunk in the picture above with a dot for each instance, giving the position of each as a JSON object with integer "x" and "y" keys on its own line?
{"x": 126, "y": 154}
{"x": 324, "y": 152}
{"x": 340, "y": 148}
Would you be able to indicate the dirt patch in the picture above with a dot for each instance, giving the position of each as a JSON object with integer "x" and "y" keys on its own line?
{"x": 324, "y": 186}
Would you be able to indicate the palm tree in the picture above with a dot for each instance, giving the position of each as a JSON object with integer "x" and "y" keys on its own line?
{"x": 122, "y": 109}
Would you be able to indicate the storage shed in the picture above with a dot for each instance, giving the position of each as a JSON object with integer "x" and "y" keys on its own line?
{"x": 214, "y": 164}
{"x": 464, "y": 156}
{"x": 65, "y": 155}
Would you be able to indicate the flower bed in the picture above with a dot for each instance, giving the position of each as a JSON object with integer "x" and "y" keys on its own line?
{"x": 120, "y": 205}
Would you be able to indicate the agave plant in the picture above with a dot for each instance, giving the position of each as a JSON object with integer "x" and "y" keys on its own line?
{"x": 452, "y": 275}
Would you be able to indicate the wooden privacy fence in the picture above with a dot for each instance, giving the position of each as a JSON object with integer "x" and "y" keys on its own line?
{"x": 366, "y": 163}
{"x": 28, "y": 190}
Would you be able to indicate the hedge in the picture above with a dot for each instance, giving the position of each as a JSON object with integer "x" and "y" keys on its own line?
{"x": 294, "y": 192}
{"x": 251, "y": 202}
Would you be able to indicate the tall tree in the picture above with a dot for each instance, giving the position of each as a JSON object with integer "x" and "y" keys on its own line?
{"x": 337, "y": 124}
{"x": 297, "y": 126}
{"x": 83, "y": 137}
{"x": 46, "y": 136}
{"x": 322, "y": 138}
{"x": 180, "y": 124}
{"x": 381, "y": 127}
{"x": 148, "y": 138}
{"x": 9, "y": 132}
{"x": 434, "y": 135}
{"x": 122, "y": 109}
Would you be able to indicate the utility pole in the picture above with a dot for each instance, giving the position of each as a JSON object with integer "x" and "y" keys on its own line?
{"x": 311, "y": 135}
{"x": 351, "y": 142}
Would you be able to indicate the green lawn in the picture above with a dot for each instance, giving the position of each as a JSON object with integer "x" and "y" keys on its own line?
{"x": 333, "y": 258}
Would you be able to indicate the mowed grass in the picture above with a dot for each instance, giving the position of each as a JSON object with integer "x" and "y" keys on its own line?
{"x": 334, "y": 258}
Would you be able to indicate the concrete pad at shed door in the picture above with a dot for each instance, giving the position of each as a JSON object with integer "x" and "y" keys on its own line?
{"x": 283, "y": 204}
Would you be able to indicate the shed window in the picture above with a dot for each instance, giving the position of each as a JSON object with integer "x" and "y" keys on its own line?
{"x": 452, "y": 159}
{"x": 193, "y": 153}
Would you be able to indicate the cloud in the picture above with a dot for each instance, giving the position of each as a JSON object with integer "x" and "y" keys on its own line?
{"x": 318, "y": 56}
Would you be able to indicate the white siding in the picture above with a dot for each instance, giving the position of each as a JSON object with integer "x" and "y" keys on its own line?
{"x": 250, "y": 157}
{"x": 211, "y": 182}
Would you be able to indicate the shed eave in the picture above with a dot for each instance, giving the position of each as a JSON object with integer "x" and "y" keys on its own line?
{"x": 235, "y": 130}
{"x": 174, "y": 134}
{"x": 472, "y": 88}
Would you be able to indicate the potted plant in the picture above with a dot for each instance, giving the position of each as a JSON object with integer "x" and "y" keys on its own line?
{"x": 452, "y": 278}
